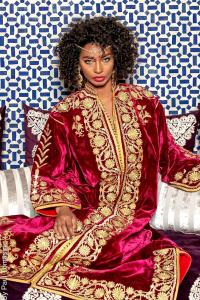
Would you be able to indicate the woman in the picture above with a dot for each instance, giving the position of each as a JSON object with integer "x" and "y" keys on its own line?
{"x": 94, "y": 181}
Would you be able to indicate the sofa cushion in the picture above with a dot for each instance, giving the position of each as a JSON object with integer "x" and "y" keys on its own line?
{"x": 184, "y": 128}
{"x": 177, "y": 210}
{"x": 15, "y": 192}
{"x": 35, "y": 120}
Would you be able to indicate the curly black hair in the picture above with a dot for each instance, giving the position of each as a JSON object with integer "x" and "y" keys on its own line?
{"x": 103, "y": 31}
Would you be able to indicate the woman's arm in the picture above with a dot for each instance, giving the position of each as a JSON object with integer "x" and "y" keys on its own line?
{"x": 54, "y": 188}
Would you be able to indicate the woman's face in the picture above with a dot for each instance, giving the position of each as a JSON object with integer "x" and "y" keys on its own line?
{"x": 96, "y": 64}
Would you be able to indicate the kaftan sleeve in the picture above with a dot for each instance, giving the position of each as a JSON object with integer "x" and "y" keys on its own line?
{"x": 178, "y": 167}
{"x": 53, "y": 175}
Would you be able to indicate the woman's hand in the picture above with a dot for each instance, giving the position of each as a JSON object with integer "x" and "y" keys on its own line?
{"x": 65, "y": 223}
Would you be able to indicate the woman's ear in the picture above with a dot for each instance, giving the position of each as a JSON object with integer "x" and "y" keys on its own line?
{"x": 80, "y": 77}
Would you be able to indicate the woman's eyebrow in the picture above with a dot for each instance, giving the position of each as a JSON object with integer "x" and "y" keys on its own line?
{"x": 87, "y": 56}
{"x": 91, "y": 57}
{"x": 106, "y": 54}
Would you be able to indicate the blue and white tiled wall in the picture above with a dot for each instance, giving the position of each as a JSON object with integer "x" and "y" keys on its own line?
{"x": 29, "y": 31}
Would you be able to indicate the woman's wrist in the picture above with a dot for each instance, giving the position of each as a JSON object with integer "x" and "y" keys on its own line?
{"x": 59, "y": 208}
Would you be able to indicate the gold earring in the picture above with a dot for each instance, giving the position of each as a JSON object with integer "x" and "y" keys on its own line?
{"x": 79, "y": 79}
{"x": 113, "y": 79}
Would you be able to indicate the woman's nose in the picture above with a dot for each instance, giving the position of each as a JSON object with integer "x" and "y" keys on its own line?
{"x": 98, "y": 67}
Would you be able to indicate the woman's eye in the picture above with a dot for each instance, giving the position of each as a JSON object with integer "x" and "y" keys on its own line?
{"x": 88, "y": 61}
{"x": 106, "y": 59}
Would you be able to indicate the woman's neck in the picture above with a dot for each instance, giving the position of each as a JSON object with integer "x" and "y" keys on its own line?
{"x": 105, "y": 93}
{"x": 105, "y": 96}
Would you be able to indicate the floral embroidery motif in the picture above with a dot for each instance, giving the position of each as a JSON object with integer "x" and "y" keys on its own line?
{"x": 36, "y": 294}
{"x": 138, "y": 92}
{"x": 8, "y": 251}
{"x": 41, "y": 156}
{"x": 41, "y": 247}
{"x": 188, "y": 180}
{"x": 144, "y": 115}
{"x": 40, "y": 197}
{"x": 182, "y": 128}
{"x": 188, "y": 177}
{"x": 77, "y": 126}
{"x": 162, "y": 287}
{"x": 37, "y": 121}
{"x": 44, "y": 149}
{"x": 68, "y": 103}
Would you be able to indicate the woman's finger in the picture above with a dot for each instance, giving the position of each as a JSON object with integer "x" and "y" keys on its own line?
{"x": 65, "y": 229}
{"x": 70, "y": 226}
{"x": 58, "y": 229}
{"x": 55, "y": 228}
{"x": 74, "y": 224}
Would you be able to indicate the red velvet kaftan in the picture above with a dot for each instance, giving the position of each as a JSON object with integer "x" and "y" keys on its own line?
{"x": 107, "y": 173}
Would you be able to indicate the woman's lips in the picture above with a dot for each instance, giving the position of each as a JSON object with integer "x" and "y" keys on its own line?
{"x": 99, "y": 78}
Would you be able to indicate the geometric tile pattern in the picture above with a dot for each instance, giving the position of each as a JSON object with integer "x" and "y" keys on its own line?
{"x": 29, "y": 30}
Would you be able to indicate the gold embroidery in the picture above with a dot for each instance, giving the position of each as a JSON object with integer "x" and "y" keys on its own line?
{"x": 58, "y": 255}
{"x": 138, "y": 92}
{"x": 45, "y": 143}
{"x": 113, "y": 126}
{"x": 8, "y": 251}
{"x": 123, "y": 96}
{"x": 194, "y": 175}
{"x": 88, "y": 103}
{"x": 189, "y": 180}
{"x": 133, "y": 133}
{"x": 43, "y": 196}
{"x": 163, "y": 287}
{"x": 126, "y": 118}
{"x": 41, "y": 199}
{"x": 144, "y": 115}
{"x": 148, "y": 93}
{"x": 97, "y": 124}
{"x": 77, "y": 126}
{"x": 63, "y": 106}
{"x": 68, "y": 103}
{"x": 136, "y": 95}
{"x": 39, "y": 251}
{"x": 178, "y": 176}
{"x": 5, "y": 221}
{"x": 99, "y": 141}
{"x": 113, "y": 213}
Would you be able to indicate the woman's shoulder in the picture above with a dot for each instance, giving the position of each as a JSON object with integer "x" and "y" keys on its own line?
{"x": 138, "y": 93}
{"x": 136, "y": 90}
{"x": 63, "y": 108}
{"x": 68, "y": 103}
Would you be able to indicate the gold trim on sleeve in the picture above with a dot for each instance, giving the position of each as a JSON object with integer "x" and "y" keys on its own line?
{"x": 187, "y": 180}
